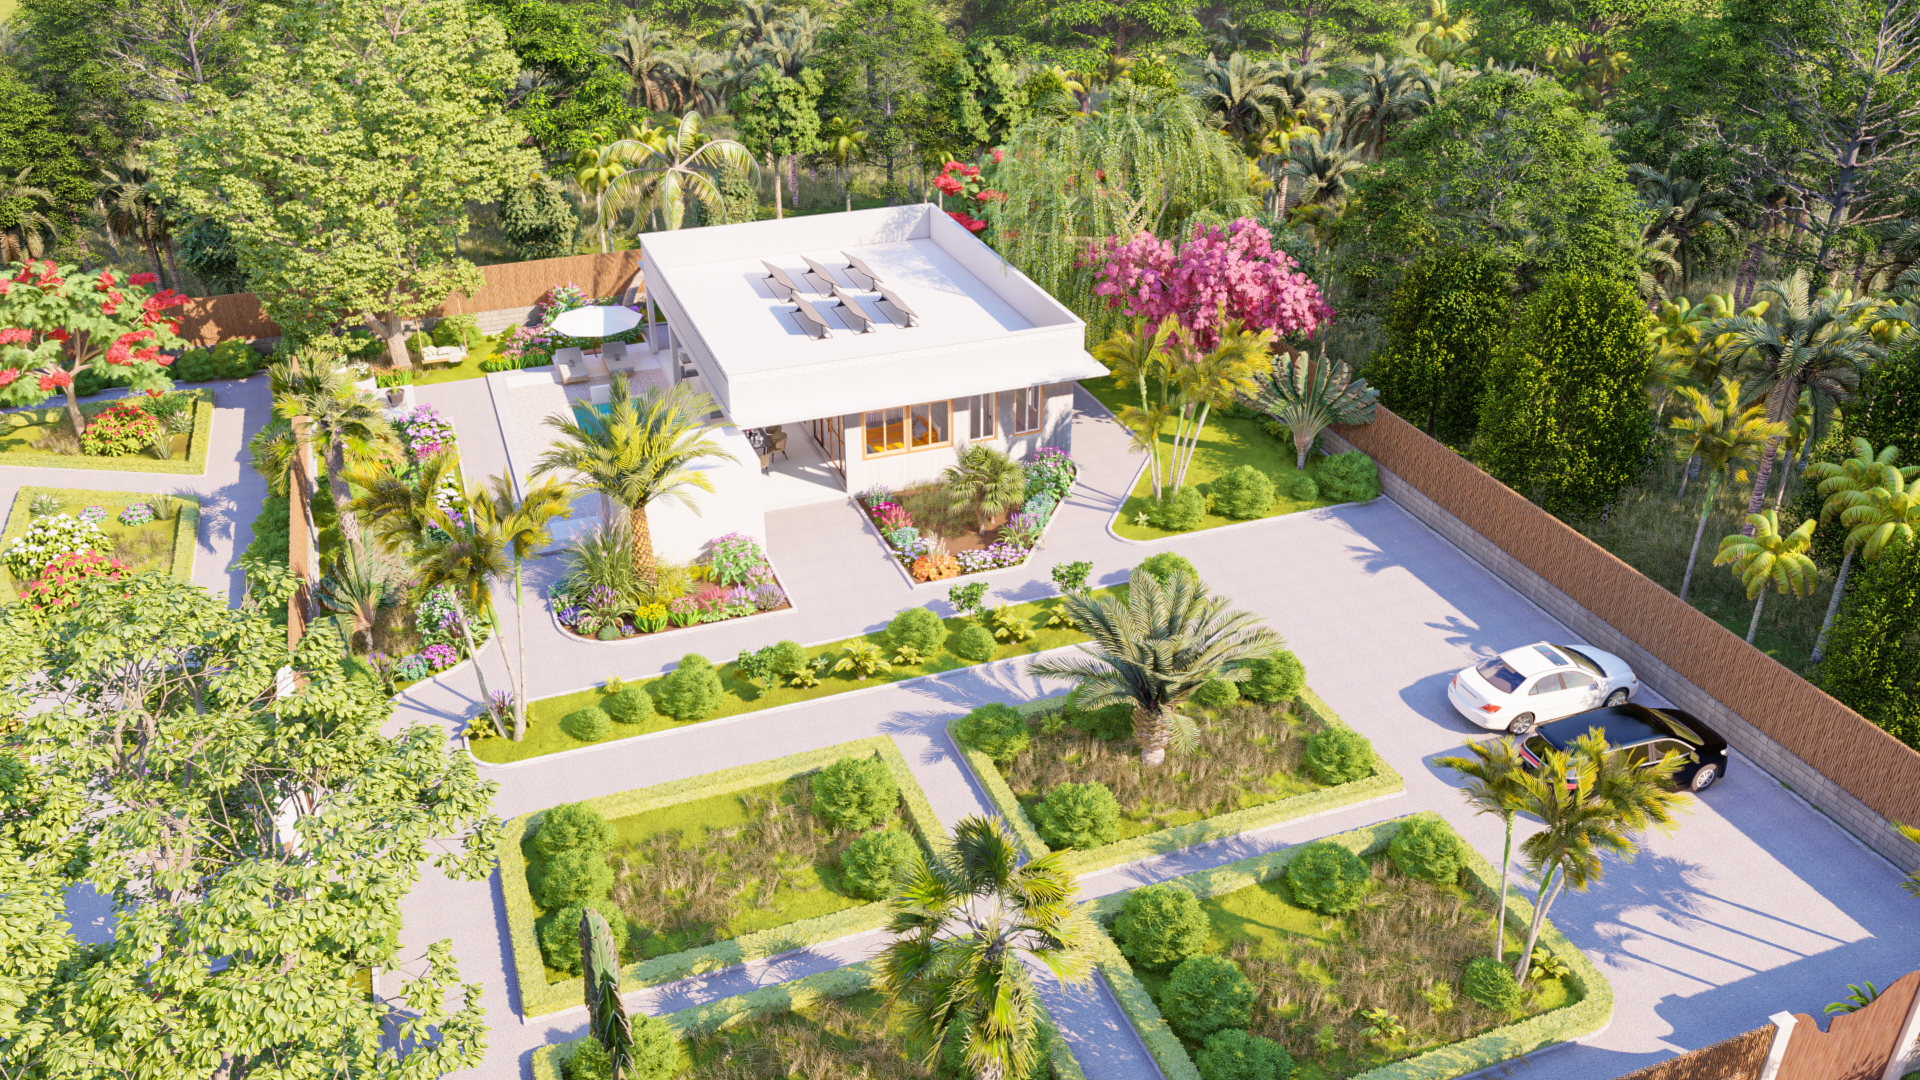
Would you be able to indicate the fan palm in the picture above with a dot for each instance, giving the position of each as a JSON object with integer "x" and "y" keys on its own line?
{"x": 1720, "y": 433}
{"x": 1241, "y": 95}
{"x": 1763, "y": 557}
{"x": 399, "y": 506}
{"x": 1139, "y": 357}
{"x": 1868, "y": 492}
{"x": 338, "y": 419}
{"x": 962, "y": 924}
{"x": 639, "y": 50}
{"x": 985, "y": 481}
{"x": 681, "y": 163}
{"x": 1494, "y": 774}
{"x": 32, "y": 228}
{"x": 843, "y": 143}
{"x": 639, "y": 450}
{"x": 524, "y": 521}
{"x": 1307, "y": 395}
{"x": 1153, "y": 650}
{"x": 472, "y": 556}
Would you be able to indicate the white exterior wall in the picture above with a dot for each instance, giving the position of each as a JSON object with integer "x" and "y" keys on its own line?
{"x": 736, "y": 504}
{"x": 904, "y": 470}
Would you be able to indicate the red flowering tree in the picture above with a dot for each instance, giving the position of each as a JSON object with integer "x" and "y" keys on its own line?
{"x": 1232, "y": 274}
{"x": 57, "y": 323}
{"x": 967, "y": 183}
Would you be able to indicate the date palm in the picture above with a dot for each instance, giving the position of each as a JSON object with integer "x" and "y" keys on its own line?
{"x": 1241, "y": 95}
{"x": 472, "y": 556}
{"x": 1682, "y": 207}
{"x": 32, "y": 228}
{"x": 524, "y": 520}
{"x": 1720, "y": 433}
{"x": 339, "y": 420}
{"x": 639, "y": 50}
{"x": 1152, "y": 650}
{"x": 399, "y": 506}
{"x": 985, "y": 481}
{"x": 1763, "y": 557}
{"x": 1308, "y": 395}
{"x": 1325, "y": 166}
{"x": 963, "y": 923}
{"x": 1868, "y": 492}
{"x": 1494, "y": 773}
{"x": 639, "y": 450}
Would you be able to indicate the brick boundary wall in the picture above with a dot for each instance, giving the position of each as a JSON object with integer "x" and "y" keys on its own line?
{"x": 1827, "y": 794}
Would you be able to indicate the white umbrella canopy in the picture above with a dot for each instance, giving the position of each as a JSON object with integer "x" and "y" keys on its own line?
{"x": 596, "y": 321}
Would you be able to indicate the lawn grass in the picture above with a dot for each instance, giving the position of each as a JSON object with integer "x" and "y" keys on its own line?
{"x": 17, "y": 440}
{"x": 1226, "y": 443}
{"x": 850, "y": 1036}
{"x": 465, "y": 369}
{"x": 742, "y": 696}
{"x": 155, "y": 547}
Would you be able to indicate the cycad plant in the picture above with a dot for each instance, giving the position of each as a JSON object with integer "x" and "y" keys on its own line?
{"x": 1762, "y": 557}
{"x": 986, "y": 482}
{"x": 1870, "y": 495}
{"x": 1153, "y": 650}
{"x": 524, "y": 521}
{"x": 964, "y": 923}
{"x": 1307, "y": 395}
{"x": 1494, "y": 773}
{"x": 1720, "y": 433}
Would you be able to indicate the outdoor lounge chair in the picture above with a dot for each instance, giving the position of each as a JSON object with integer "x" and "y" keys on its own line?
{"x": 572, "y": 365}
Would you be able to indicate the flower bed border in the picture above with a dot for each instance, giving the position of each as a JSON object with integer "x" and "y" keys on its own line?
{"x": 1384, "y": 783}
{"x": 186, "y": 525}
{"x": 549, "y": 1060}
{"x": 1592, "y": 1013}
{"x": 194, "y": 465}
{"x": 539, "y": 997}
{"x": 553, "y": 616}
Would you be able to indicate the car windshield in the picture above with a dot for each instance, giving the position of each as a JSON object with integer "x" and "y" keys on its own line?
{"x": 1584, "y": 661}
{"x": 1501, "y": 675}
{"x": 1679, "y": 728}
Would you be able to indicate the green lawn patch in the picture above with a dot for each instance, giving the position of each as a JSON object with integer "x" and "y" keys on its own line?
{"x": 164, "y": 547}
{"x": 544, "y": 735}
{"x": 17, "y": 440}
{"x": 465, "y": 369}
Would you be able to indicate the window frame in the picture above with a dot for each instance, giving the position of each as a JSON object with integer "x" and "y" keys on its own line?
{"x": 1039, "y": 408}
{"x": 906, "y": 429}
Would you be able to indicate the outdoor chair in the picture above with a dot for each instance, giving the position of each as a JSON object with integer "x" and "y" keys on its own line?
{"x": 776, "y": 441}
{"x": 572, "y": 364}
{"x": 612, "y": 351}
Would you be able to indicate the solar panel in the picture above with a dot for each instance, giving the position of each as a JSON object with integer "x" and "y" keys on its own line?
{"x": 780, "y": 280}
{"x": 855, "y": 262}
{"x": 853, "y": 309}
{"x": 893, "y": 298}
{"x": 810, "y": 314}
{"x": 821, "y": 272}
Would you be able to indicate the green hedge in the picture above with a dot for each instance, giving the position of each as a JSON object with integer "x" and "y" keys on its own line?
{"x": 1384, "y": 781}
{"x": 537, "y": 996}
{"x": 186, "y": 523}
{"x": 780, "y": 998}
{"x": 1584, "y": 1017}
{"x": 194, "y": 465}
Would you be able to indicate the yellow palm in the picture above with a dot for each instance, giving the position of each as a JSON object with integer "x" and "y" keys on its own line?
{"x": 1139, "y": 357}
{"x": 524, "y": 522}
{"x": 1720, "y": 433}
{"x": 1769, "y": 558}
{"x": 1868, "y": 493}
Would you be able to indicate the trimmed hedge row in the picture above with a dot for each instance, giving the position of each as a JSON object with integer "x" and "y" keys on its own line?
{"x": 538, "y": 997}
{"x": 186, "y": 523}
{"x": 1384, "y": 781}
{"x": 1585, "y": 1016}
{"x": 780, "y": 998}
{"x": 194, "y": 465}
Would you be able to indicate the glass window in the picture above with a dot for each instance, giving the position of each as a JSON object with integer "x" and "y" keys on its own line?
{"x": 1573, "y": 680}
{"x": 930, "y": 424}
{"x": 1023, "y": 411}
{"x": 1553, "y": 658}
{"x": 979, "y": 416}
{"x": 1584, "y": 660}
{"x": 1548, "y": 683}
{"x": 886, "y": 431}
{"x": 1502, "y": 676}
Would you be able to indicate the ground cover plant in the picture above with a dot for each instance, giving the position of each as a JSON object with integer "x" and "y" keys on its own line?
{"x": 603, "y": 597}
{"x": 123, "y": 431}
{"x": 130, "y": 533}
{"x": 832, "y": 1039}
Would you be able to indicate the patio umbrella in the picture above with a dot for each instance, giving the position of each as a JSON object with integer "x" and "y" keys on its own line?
{"x": 592, "y": 322}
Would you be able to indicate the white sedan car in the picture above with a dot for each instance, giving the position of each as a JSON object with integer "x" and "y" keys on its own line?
{"x": 1523, "y": 688}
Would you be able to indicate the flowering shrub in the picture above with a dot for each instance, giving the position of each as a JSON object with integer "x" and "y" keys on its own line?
{"x": 735, "y": 558}
{"x": 991, "y": 557}
{"x": 561, "y": 298}
{"x": 903, "y": 539}
{"x": 935, "y": 566}
{"x": 93, "y": 513}
{"x": 767, "y": 596}
{"x": 966, "y": 182}
{"x": 1023, "y": 529}
{"x": 891, "y": 516}
{"x": 651, "y": 619}
{"x": 58, "y": 586}
{"x": 412, "y": 668}
{"x": 683, "y": 611}
{"x": 438, "y": 614}
{"x": 1233, "y": 273}
{"x": 1051, "y": 472}
{"x": 50, "y": 537}
{"x": 440, "y": 657}
{"x": 875, "y": 495}
{"x": 119, "y": 430}
{"x": 136, "y": 515}
{"x": 425, "y": 433}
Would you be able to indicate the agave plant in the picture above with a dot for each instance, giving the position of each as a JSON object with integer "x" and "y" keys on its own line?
{"x": 1307, "y": 395}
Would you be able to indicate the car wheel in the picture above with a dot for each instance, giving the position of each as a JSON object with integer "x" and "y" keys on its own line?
{"x": 1704, "y": 776}
{"x": 1616, "y": 699}
{"x": 1521, "y": 724}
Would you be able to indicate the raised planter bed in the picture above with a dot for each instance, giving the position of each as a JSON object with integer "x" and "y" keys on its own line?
{"x": 20, "y": 429}
{"x": 163, "y": 546}
{"x": 934, "y": 544}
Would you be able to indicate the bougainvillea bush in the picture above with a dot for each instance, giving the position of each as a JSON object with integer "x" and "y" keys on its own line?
{"x": 1233, "y": 272}
{"x": 119, "y": 430}
{"x": 57, "y": 323}
{"x": 48, "y": 538}
{"x": 970, "y": 185}
{"x": 59, "y": 584}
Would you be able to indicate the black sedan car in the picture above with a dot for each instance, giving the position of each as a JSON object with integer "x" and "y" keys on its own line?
{"x": 1646, "y": 734}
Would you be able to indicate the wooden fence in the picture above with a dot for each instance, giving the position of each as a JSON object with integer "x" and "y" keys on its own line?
{"x": 1844, "y": 746}
{"x": 209, "y": 319}
{"x": 1856, "y": 1045}
{"x": 1738, "y": 1058}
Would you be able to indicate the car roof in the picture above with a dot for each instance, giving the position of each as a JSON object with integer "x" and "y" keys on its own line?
{"x": 1625, "y": 725}
{"x": 1529, "y": 661}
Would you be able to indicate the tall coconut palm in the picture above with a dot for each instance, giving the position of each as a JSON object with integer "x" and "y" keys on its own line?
{"x": 1720, "y": 434}
{"x": 639, "y": 50}
{"x": 1591, "y": 803}
{"x": 963, "y": 923}
{"x": 1308, "y": 395}
{"x": 985, "y": 481}
{"x": 472, "y": 556}
{"x": 1138, "y": 357}
{"x": 524, "y": 521}
{"x": 682, "y": 163}
{"x": 32, "y": 228}
{"x": 1763, "y": 557}
{"x": 1153, "y": 650}
{"x": 1241, "y": 95}
{"x": 843, "y": 142}
{"x": 1868, "y": 492}
{"x": 639, "y": 450}
{"x": 340, "y": 421}
{"x": 1494, "y": 786}
{"x": 398, "y": 506}
{"x": 1820, "y": 345}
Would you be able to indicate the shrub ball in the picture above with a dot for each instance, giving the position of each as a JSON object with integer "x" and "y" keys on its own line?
{"x": 1338, "y": 756}
{"x": 1110, "y": 723}
{"x": 590, "y": 724}
{"x": 918, "y": 629}
{"x": 590, "y": 1060}
{"x": 973, "y": 643}
{"x": 1327, "y": 878}
{"x": 1243, "y": 493}
{"x": 1491, "y": 983}
{"x": 1428, "y": 849}
{"x": 691, "y": 691}
{"x": 1304, "y": 489}
{"x": 788, "y": 658}
{"x": 1216, "y": 694}
{"x": 1161, "y": 925}
{"x": 1276, "y": 679}
{"x": 1206, "y": 994}
{"x": 855, "y": 793}
{"x": 573, "y": 827}
{"x": 572, "y": 877}
{"x": 1182, "y": 510}
{"x": 1083, "y": 816}
{"x": 1236, "y": 1055}
{"x": 1348, "y": 477}
{"x": 629, "y": 705}
{"x": 1163, "y": 566}
{"x": 656, "y": 1049}
{"x": 559, "y": 932}
{"x": 995, "y": 730}
{"x": 871, "y": 863}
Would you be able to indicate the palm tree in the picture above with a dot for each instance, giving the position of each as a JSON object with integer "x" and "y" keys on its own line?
{"x": 1763, "y": 557}
{"x": 471, "y": 558}
{"x": 1869, "y": 494}
{"x": 1241, "y": 95}
{"x": 1720, "y": 433}
{"x": 1818, "y": 345}
{"x": 524, "y": 521}
{"x": 1307, "y": 395}
{"x": 698, "y": 71}
{"x": 1682, "y": 208}
{"x": 600, "y": 172}
{"x": 1153, "y": 650}
{"x": 1591, "y": 803}
{"x": 639, "y": 450}
{"x": 639, "y": 50}
{"x": 356, "y": 587}
{"x": 340, "y": 420}
{"x": 1139, "y": 357}
{"x": 843, "y": 142}
{"x": 32, "y": 228}
{"x": 1325, "y": 166}
{"x": 1220, "y": 376}
{"x": 986, "y": 481}
{"x": 399, "y": 506}
{"x": 681, "y": 163}
{"x": 133, "y": 207}
{"x": 1444, "y": 34}
{"x": 1392, "y": 93}
{"x": 1494, "y": 774}
{"x": 962, "y": 925}
{"x": 755, "y": 19}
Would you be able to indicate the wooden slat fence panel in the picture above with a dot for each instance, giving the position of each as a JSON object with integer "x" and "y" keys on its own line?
{"x": 1738, "y": 1058}
{"x": 1856, "y": 1045}
{"x": 1873, "y": 766}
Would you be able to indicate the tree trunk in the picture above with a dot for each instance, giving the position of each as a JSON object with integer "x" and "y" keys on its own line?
{"x": 793, "y": 179}
{"x": 774, "y": 168}
{"x": 1301, "y": 446}
{"x": 153, "y": 257}
{"x": 1543, "y": 900}
{"x": 641, "y": 534}
{"x": 1686, "y": 474}
{"x": 1754, "y": 626}
{"x": 1687, "y": 581}
{"x": 1746, "y": 278}
{"x": 486, "y": 697}
{"x": 1833, "y": 607}
{"x": 174, "y": 265}
{"x": 1153, "y": 730}
{"x": 73, "y": 412}
{"x": 1500, "y": 917}
{"x": 342, "y": 495}
{"x": 520, "y": 625}
{"x": 1193, "y": 441}
{"x": 1759, "y": 498}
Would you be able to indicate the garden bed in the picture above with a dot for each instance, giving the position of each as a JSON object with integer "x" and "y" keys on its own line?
{"x": 691, "y": 866}
{"x": 600, "y": 600}
{"x": 1247, "y": 774}
{"x": 164, "y": 546}
{"x": 43, "y": 438}
{"x": 1402, "y": 950}
{"x": 935, "y": 538}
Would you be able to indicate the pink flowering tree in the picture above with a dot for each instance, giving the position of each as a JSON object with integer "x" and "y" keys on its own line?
{"x": 1206, "y": 313}
{"x": 57, "y": 323}
{"x": 969, "y": 185}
